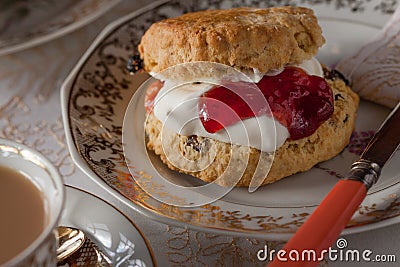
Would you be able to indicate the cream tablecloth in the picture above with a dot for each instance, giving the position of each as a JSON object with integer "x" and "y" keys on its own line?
{"x": 30, "y": 113}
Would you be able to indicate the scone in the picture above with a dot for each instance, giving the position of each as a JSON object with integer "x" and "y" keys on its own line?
{"x": 310, "y": 110}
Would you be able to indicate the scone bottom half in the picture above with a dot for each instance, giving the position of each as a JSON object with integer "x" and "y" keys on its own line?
{"x": 246, "y": 38}
{"x": 292, "y": 157}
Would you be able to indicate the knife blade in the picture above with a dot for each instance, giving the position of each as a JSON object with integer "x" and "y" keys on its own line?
{"x": 328, "y": 220}
{"x": 386, "y": 140}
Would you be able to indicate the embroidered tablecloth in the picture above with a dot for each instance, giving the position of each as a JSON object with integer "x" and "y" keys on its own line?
{"x": 30, "y": 113}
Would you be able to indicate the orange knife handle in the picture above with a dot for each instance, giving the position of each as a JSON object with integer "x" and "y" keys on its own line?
{"x": 323, "y": 226}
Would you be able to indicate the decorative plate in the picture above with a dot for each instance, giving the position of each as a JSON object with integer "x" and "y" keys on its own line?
{"x": 98, "y": 95}
{"x": 116, "y": 236}
{"x": 27, "y": 23}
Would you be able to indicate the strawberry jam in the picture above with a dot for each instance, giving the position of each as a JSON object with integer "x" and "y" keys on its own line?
{"x": 299, "y": 101}
{"x": 151, "y": 94}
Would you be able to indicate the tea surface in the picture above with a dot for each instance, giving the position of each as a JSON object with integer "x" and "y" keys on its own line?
{"x": 22, "y": 212}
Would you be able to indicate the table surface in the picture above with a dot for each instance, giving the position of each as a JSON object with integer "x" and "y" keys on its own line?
{"x": 30, "y": 113}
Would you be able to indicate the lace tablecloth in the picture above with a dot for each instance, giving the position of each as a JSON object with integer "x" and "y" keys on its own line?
{"x": 30, "y": 113}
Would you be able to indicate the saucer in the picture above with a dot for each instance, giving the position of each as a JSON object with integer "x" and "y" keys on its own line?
{"x": 113, "y": 232}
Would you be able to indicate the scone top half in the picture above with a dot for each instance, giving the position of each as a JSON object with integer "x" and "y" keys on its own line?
{"x": 243, "y": 38}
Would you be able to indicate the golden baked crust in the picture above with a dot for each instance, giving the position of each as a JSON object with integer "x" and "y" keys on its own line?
{"x": 213, "y": 157}
{"x": 244, "y": 38}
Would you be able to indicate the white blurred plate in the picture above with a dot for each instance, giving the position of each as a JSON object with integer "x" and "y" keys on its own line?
{"x": 24, "y": 24}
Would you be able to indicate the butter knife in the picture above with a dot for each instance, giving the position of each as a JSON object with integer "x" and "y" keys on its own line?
{"x": 328, "y": 220}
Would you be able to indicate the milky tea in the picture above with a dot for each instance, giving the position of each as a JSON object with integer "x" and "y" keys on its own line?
{"x": 22, "y": 212}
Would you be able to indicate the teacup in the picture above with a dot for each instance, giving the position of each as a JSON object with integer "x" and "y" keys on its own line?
{"x": 31, "y": 203}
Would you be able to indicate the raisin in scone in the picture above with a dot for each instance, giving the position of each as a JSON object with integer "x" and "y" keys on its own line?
{"x": 312, "y": 108}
